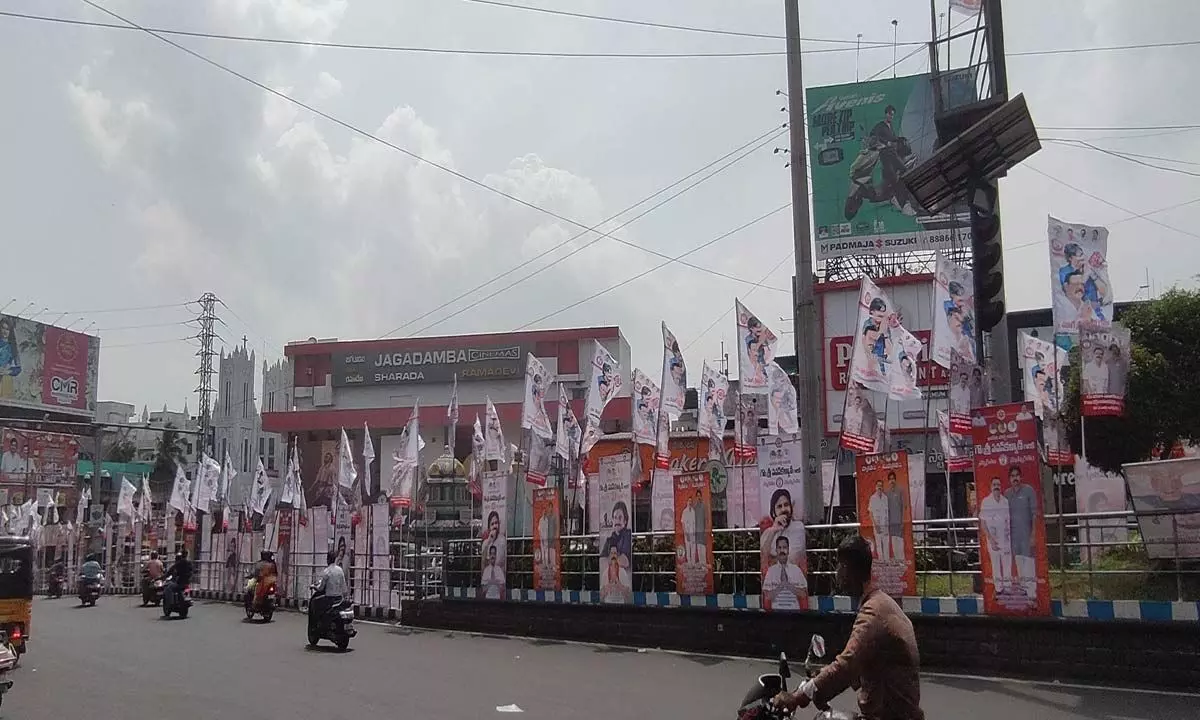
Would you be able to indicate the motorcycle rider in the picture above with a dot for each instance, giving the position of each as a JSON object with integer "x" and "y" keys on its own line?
{"x": 154, "y": 567}
{"x": 330, "y": 587}
{"x": 180, "y": 574}
{"x": 880, "y": 658}
{"x": 58, "y": 570}
{"x": 264, "y": 575}
{"x": 91, "y": 570}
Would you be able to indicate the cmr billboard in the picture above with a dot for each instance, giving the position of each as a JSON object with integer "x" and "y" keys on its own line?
{"x": 862, "y": 138}
{"x": 47, "y": 368}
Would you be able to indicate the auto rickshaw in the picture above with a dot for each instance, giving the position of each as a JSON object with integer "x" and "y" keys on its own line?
{"x": 16, "y": 589}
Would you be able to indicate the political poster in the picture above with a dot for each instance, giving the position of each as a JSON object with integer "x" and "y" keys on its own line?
{"x": 1166, "y": 496}
{"x": 829, "y": 483}
{"x": 1097, "y": 491}
{"x": 493, "y": 438}
{"x": 874, "y": 350}
{"x": 693, "y": 534}
{"x": 47, "y": 368}
{"x": 741, "y": 494}
{"x": 604, "y": 384}
{"x": 662, "y": 500}
{"x": 646, "y": 402}
{"x": 614, "y": 499}
{"x": 547, "y": 549}
{"x": 39, "y": 458}
{"x": 953, "y": 313}
{"x": 533, "y": 412}
{"x": 860, "y": 423}
{"x": 711, "y": 419}
{"x": 863, "y": 137}
{"x": 967, "y": 392}
{"x": 745, "y": 425}
{"x": 1104, "y": 376}
{"x": 1079, "y": 283}
{"x": 1045, "y": 365}
{"x": 674, "y": 376}
{"x": 1008, "y": 496}
{"x": 493, "y": 584}
{"x": 756, "y": 351}
{"x": 885, "y": 520}
{"x": 783, "y": 414}
{"x": 916, "y": 486}
{"x": 783, "y": 555}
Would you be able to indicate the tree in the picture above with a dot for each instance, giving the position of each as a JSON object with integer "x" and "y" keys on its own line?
{"x": 1162, "y": 405}
{"x": 122, "y": 451}
{"x": 169, "y": 452}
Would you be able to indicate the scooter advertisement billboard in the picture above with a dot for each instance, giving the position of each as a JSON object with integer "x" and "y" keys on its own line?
{"x": 863, "y": 137}
{"x": 1012, "y": 527}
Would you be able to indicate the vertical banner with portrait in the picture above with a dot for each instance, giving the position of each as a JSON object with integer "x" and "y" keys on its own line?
{"x": 885, "y": 520}
{"x": 953, "y": 313}
{"x": 1104, "y": 375}
{"x": 646, "y": 402}
{"x": 547, "y": 552}
{"x": 1166, "y": 496}
{"x": 693, "y": 534}
{"x": 860, "y": 424}
{"x": 756, "y": 351}
{"x": 783, "y": 554}
{"x": 662, "y": 500}
{"x": 614, "y": 495}
{"x": 1008, "y": 494}
{"x": 1097, "y": 491}
{"x": 967, "y": 392}
{"x": 916, "y": 486}
{"x": 1079, "y": 282}
{"x": 533, "y": 411}
{"x": 829, "y": 483}
{"x": 674, "y": 376}
{"x": 493, "y": 584}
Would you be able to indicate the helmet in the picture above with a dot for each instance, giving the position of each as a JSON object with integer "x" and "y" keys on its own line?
{"x": 266, "y": 555}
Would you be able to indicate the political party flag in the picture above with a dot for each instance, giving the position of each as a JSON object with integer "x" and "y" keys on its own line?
{"x": 711, "y": 412}
{"x": 533, "y": 411}
{"x": 783, "y": 414}
{"x": 493, "y": 447}
{"x": 125, "y": 499}
{"x": 756, "y": 351}
{"x": 953, "y": 313}
{"x": 646, "y": 403}
{"x": 603, "y": 386}
{"x": 674, "y": 376}
{"x": 1104, "y": 376}
{"x": 179, "y": 490}
{"x": 1079, "y": 283}
{"x": 347, "y": 474}
{"x": 568, "y": 426}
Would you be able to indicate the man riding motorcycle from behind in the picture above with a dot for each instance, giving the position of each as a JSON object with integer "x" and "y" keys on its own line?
{"x": 880, "y": 659}
{"x": 180, "y": 574}
{"x": 264, "y": 576}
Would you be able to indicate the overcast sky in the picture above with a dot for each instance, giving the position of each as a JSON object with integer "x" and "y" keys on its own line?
{"x": 135, "y": 175}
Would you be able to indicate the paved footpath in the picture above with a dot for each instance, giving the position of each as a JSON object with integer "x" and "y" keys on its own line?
{"x": 120, "y": 661}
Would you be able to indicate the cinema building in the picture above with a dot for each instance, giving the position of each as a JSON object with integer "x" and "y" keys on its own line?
{"x": 344, "y": 384}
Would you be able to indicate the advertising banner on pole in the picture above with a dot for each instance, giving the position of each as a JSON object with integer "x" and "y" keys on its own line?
{"x": 885, "y": 520}
{"x": 493, "y": 584}
{"x": 953, "y": 313}
{"x": 646, "y": 402}
{"x": 1045, "y": 365}
{"x": 1104, "y": 377}
{"x": 662, "y": 500}
{"x": 781, "y": 465}
{"x": 1008, "y": 494}
{"x": 1079, "y": 283}
{"x": 756, "y": 351}
{"x": 782, "y": 548}
{"x": 39, "y": 458}
{"x": 1097, "y": 491}
{"x": 967, "y": 392}
{"x": 693, "y": 534}
{"x": 614, "y": 496}
{"x": 533, "y": 411}
{"x": 48, "y": 368}
{"x": 863, "y": 137}
{"x": 1170, "y": 489}
{"x": 547, "y": 553}
{"x": 674, "y": 376}
{"x": 860, "y": 424}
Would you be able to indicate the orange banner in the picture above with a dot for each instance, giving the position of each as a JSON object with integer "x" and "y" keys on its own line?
{"x": 885, "y": 520}
{"x": 693, "y": 534}
{"x": 1008, "y": 493}
{"x": 547, "y": 549}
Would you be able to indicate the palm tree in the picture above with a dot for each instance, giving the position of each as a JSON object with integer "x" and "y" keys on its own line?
{"x": 170, "y": 451}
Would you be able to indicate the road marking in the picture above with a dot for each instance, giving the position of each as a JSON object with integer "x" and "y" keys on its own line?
{"x": 508, "y": 709}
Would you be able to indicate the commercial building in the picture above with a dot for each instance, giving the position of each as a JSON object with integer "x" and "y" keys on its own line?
{"x": 344, "y": 384}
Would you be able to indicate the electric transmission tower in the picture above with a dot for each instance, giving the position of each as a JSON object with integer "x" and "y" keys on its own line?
{"x": 208, "y": 320}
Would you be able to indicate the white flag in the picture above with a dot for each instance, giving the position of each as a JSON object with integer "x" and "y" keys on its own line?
{"x": 953, "y": 313}
{"x": 180, "y": 490}
{"x": 301, "y": 504}
{"x": 147, "y": 502}
{"x": 346, "y": 472}
{"x": 228, "y": 475}
{"x": 452, "y": 408}
{"x": 260, "y": 492}
{"x": 477, "y": 443}
{"x": 405, "y": 462}
{"x": 674, "y": 376}
{"x": 493, "y": 437}
{"x": 125, "y": 499}
{"x": 533, "y": 412}
{"x": 1045, "y": 365}
{"x": 711, "y": 412}
{"x": 874, "y": 352}
{"x": 85, "y": 499}
{"x": 291, "y": 486}
{"x": 782, "y": 411}
{"x": 647, "y": 401}
{"x": 902, "y": 383}
{"x": 568, "y": 426}
{"x": 368, "y": 458}
{"x": 603, "y": 386}
{"x": 756, "y": 351}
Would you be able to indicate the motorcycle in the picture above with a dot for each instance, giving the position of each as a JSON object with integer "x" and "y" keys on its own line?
{"x": 152, "y": 591}
{"x": 897, "y": 159}
{"x": 90, "y": 590}
{"x": 264, "y": 606}
{"x": 758, "y": 705}
{"x": 335, "y": 623}
{"x": 54, "y": 585}
{"x": 8, "y": 661}
{"x": 176, "y": 599}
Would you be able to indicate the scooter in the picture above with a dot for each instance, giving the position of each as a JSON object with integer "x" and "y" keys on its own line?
{"x": 90, "y": 590}
{"x": 54, "y": 585}
{"x": 757, "y": 705}
{"x": 896, "y": 160}
{"x": 176, "y": 599}
{"x": 152, "y": 591}
{"x": 265, "y": 606}
{"x": 336, "y": 623}
{"x": 8, "y": 661}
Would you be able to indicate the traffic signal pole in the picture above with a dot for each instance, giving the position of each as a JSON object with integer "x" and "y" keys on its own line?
{"x": 804, "y": 322}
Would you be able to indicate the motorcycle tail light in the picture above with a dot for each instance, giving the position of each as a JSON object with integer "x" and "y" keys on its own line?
{"x": 16, "y": 633}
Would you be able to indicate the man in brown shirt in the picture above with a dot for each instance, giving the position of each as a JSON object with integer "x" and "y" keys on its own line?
{"x": 880, "y": 659}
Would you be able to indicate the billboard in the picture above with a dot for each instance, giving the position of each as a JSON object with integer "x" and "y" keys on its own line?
{"x": 402, "y": 367}
{"x": 1166, "y": 496}
{"x": 863, "y": 137}
{"x": 912, "y": 297}
{"x": 693, "y": 534}
{"x": 44, "y": 367}
{"x": 885, "y": 520}
{"x": 41, "y": 458}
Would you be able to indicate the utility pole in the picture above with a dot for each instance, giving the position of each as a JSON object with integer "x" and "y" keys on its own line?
{"x": 804, "y": 322}
{"x": 207, "y": 319}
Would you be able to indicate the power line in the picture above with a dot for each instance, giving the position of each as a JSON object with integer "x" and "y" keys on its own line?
{"x": 1111, "y": 128}
{"x": 728, "y": 310}
{"x": 179, "y": 323}
{"x": 1081, "y": 145}
{"x": 147, "y": 342}
{"x": 660, "y": 266}
{"x": 757, "y": 144}
{"x": 127, "y": 309}
{"x": 1136, "y": 216}
{"x": 380, "y": 47}
{"x": 595, "y": 240}
{"x": 1105, "y": 48}
{"x": 370, "y": 136}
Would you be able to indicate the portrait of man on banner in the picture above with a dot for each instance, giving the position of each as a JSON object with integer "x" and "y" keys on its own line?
{"x": 693, "y": 534}
{"x": 859, "y": 421}
{"x": 1104, "y": 376}
{"x": 756, "y": 351}
{"x": 493, "y": 549}
{"x": 1079, "y": 282}
{"x": 614, "y": 499}
{"x": 953, "y": 313}
{"x": 674, "y": 376}
{"x": 885, "y": 520}
{"x": 533, "y": 412}
{"x": 547, "y": 566}
{"x": 783, "y": 556}
{"x": 646, "y": 402}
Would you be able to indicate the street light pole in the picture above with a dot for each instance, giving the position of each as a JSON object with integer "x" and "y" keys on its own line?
{"x": 805, "y": 328}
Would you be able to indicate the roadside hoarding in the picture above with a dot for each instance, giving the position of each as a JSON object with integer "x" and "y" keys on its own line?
{"x": 48, "y": 368}
{"x": 547, "y": 570}
{"x": 862, "y": 138}
{"x": 37, "y": 460}
{"x": 912, "y": 296}
{"x": 693, "y": 534}
{"x": 1169, "y": 492}
{"x": 885, "y": 520}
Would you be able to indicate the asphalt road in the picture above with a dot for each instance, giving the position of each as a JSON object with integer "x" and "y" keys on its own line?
{"x": 119, "y": 661}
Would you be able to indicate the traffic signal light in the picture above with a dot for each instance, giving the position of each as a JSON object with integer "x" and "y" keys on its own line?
{"x": 987, "y": 253}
